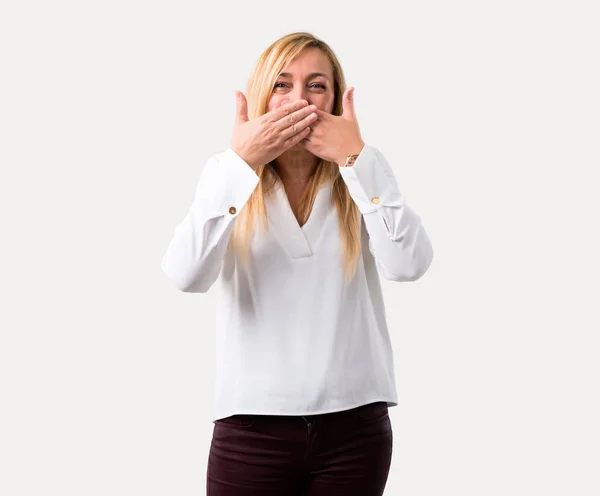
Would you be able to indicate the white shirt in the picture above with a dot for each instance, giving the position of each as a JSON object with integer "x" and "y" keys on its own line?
{"x": 293, "y": 338}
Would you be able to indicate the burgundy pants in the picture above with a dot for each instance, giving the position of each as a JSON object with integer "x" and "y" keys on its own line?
{"x": 344, "y": 453}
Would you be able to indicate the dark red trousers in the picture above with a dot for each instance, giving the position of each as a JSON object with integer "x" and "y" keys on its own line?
{"x": 344, "y": 453}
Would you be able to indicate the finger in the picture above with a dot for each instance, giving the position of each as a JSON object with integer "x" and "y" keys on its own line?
{"x": 290, "y": 128}
{"x": 241, "y": 107}
{"x": 306, "y": 140}
{"x": 323, "y": 115}
{"x": 295, "y": 117}
{"x": 348, "y": 102}
{"x": 285, "y": 109}
{"x": 297, "y": 138}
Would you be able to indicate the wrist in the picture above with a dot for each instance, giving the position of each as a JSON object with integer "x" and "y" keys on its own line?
{"x": 245, "y": 157}
{"x": 352, "y": 153}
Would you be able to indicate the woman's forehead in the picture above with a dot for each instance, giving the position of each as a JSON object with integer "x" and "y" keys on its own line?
{"x": 309, "y": 60}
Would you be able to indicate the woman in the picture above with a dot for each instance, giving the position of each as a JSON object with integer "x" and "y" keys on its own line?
{"x": 298, "y": 219}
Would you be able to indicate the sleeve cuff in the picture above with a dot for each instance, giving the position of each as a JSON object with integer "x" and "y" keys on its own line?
{"x": 371, "y": 182}
{"x": 228, "y": 183}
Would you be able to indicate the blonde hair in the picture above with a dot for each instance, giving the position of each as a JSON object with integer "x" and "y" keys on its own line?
{"x": 258, "y": 92}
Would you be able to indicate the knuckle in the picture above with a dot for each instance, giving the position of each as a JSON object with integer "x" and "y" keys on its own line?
{"x": 268, "y": 138}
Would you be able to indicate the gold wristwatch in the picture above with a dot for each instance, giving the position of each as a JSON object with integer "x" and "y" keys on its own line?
{"x": 350, "y": 159}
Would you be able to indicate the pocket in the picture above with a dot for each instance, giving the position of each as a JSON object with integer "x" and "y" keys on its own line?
{"x": 239, "y": 420}
{"x": 373, "y": 412}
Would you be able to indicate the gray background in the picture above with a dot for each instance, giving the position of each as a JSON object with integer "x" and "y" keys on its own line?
{"x": 488, "y": 112}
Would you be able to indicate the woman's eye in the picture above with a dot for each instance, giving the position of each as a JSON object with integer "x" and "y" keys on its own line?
{"x": 319, "y": 85}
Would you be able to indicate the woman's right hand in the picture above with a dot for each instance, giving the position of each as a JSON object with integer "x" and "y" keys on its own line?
{"x": 259, "y": 141}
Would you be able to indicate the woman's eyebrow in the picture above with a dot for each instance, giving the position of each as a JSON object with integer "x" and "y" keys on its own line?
{"x": 312, "y": 75}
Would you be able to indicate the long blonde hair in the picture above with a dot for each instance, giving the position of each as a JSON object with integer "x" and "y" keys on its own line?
{"x": 258, "y": 92}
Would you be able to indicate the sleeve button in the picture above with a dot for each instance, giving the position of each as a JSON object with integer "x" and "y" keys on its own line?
{"x": 232, "y": 210}
{"x": 375, "y": 200}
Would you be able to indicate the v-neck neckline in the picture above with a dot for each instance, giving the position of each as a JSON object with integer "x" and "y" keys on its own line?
{"x": 292, "y": 235}
{"x": 285, "y": 199}
{"x": 288, "y": 206}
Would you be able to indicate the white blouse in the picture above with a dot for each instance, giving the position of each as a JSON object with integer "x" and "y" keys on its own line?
{"x": 293, "y": 338}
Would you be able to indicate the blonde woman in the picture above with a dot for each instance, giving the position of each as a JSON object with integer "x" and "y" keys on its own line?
{"x": 298, "y": 219}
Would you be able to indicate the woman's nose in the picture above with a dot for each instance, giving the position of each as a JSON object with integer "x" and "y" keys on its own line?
{"x": 298, "y": 93}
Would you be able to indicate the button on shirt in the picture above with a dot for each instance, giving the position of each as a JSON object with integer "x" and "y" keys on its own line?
{"x": 293, "y": 337}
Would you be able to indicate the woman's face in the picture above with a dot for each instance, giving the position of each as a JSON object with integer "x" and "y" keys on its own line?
{"x": 310, "y": 77}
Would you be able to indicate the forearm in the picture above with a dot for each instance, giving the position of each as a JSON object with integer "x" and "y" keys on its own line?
{"x": 398, "y": 240}
{"x": 194, "y": 256}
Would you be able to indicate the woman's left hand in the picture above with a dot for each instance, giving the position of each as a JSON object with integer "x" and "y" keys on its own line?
{"x": 334, "y": 137}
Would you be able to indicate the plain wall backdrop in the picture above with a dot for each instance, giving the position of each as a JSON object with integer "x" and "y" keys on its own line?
{"x": 489, "y": 114}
